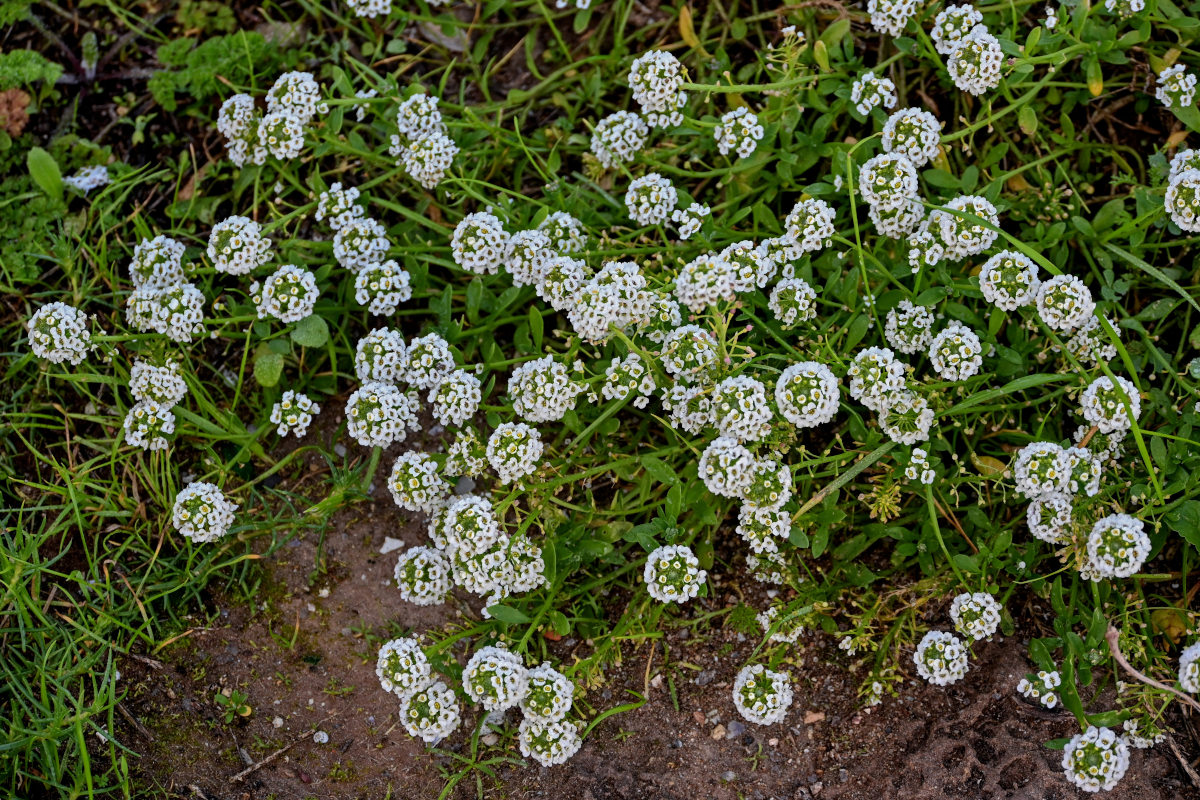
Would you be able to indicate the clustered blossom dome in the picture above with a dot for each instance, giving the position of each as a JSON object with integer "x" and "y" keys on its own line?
{"x": 423, "y": 576}
{"x": 480, "y": 243}
{"x": 650, "y": 199}
{"x": 1064, "y": 302}
{"x": 293, "y": 414}
{"x": 59, "y": 333}
{"x": 760, "y": 526}
{"x": 705, "y": 281}
{"x": 956, "y": 353}
{"x": 807, "y": 394}
{"x": 514, "y": 450}
{"x": 402, "y": 667}
{"x": 1041, "y": 468}
{"x": 550, "y": 695}
{"x": 941, "y": 658}
{"x": 726, "y": 467}
{"x": 905, "y": 417}
{"x": 1103, "y": 404}
{"x": 529, "y": 253}
{"x": 976, "y": 615}
{"x": 874, "y": 375}
{"x": 913, "y": 133}
{"x": 951, "y": 25}
{"x": 542, "y": 390}
{"x": 1009, "y": 280}
{"x": 360, "y": 242}
{"x": 456, "y": 397}
{"x": 567, "y": 234}
{"x": 381, "y": 355}
{"x": 415, "y": 483}
{"x": 379, "y": 414}
{"x": 1049, "y": 517}
{"x": 961, "y": 235}
{"x": 148, "y": 424}
{"x": 888, "y": 181}
{"x": 975, "y": 62}
{"x": 918, "y": 468}
{"x": 618, "y": 138}
{"x": 762, "y": 696}
{"x": 891, "y": 16}
{"x": 495, "y": 678}
{"x": 340, "y": 206}
{"x": 1189, "y": 668}
{"x": 793, "y": 301}
{"x": 430, "y": 713}
{"x": 1096, "y": 760}
{"x": 160, "y": 384}
{"x": 1176, "y": 87}
{"x": 382, "y": 287}
{"x": 202, "y": 513}
{"x": 429, "y": 360}
{"x": 288, "y": 295}
{"x": 551, "y": 743}
{"x": 626, "y": 376}
{"x": 740, "y": 408}
{"x": 909, "y": 328}
{"x": 810, "y": 224}
{"x": 673, "y": 574}
{"x": 655, "y": 78}
{"x": 870, "y": 92}
{"x": 157, "y": 263}
{"x": 1183, "y": 200}
{"x": 1041, "y": 687}
{"x": 1117, "y": 547}
{"x": 740, "y": 131}
{"x": 238, "y": 246}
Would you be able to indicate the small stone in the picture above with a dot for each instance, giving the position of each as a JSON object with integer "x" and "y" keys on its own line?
{"x": 843, "y": 775}
{"x": 657, "y": 681}
{"x": 816, "y": 788}
{"x": 321, "y": 737}
{"x": 699, "y": 717}
{"x": 464, "y": 485}
{"x": 490, "y": 739}
{"x": 277, "y": 722}
{"x": 735, "y": 729}
{"x": 676, "y": 744}
{"x": 705, "y": 677}
{"x": 389, "y": 544}
{"x": 340, "y": 450}
{"x": 729, "y": 776}
{"x": 813, "y": 717}
{"x": 773, "y": 742}
{"x": 718, "y": 732}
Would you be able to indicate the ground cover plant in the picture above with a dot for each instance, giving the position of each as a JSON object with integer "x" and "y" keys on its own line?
{"x": 885, "y": 315}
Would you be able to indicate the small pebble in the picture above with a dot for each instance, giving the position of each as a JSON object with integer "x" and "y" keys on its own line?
{"x": 321, "y": 737}
{"x": 729, "y": 776}
{"x": 718, "y": 732}
{"x": 277, "y": 722}
{"x": 735, "y": 729}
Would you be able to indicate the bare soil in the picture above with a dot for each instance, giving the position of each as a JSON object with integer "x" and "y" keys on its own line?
{"x": 304, "y": 654}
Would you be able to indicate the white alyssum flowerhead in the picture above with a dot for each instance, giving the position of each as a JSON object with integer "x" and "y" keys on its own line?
{"x": 293, "y": 413}
{"x": 1041, "y": 468}
{"x": 1176, "y": 87}
{"x": 157, "y": 263}
{"x": 912, "y": 132}
{"x": 402, "y": 667}
{"x": 1189, "y": 668}
{"x": 874, "y": 374}
{"x": 562, "y": 278}
{"x": 381, "y": 355}
{"x": 202, "y": 513}
{"x": 951, "y": 25}
{"x": 888, "y": 180}
{"x": 281, "y": 134}
{"x": 297, "y": 94}
{"x": 740, "y": 408}
{"x": 1124, "y": 8}
{"x": 289, "y": 294}
{"x": 1117, "y": 547}
{"x": 870, "y": 92}
{"x": 704, "y": 281}
{"x": 925, "y": 248}
{"x": 549, "y": 743}
{"x": 415, "y": 483}
{"x": 650, "y": 199}
{"x": 429, "y": 360}
{"x": 762, "y": 696}
{"x": 148, "y": 424}
{"x": 688, "y": 352}
{"x": 909, "y": 328}
{"x": 793, "y": 301}
{"x": 529, "y": 253}
{"x": 340, "y": 206}
{"x": 423, "y": 576}
{"x": 431, "y": 713}
{"x": 1183, "y": 200}
{"x": 379, "y": 414}
{"x": 1091, "y": 343}
{"x": 753, "y": 267}
{"x": 514, "y": 450}
{"x": 427, "y": 158}
{"x": 962, "y": 236}
{"x": 495, "y": 678}
{"x": 370, "y": 9}
{"x": 1103, "y": 404}
{"x": 88, "y": 178}
{"x": 567, "y": 234}
{"x": 1041, "y": 687}
{"x": 739, "y": 130}
{"x": 726, "y": 467}
{"x": 1064, "y": 302}
{"x": 237, "y": 246}
{"x": 618, "y": 138}
{"x": 899, "y": 222}
{"x": 542, "y": 390}
{"x": 359, "y": 243}
{"x": 891, "y": 16}
{"x": 770, "y": 485}
{"x": 480, "y": 243}
{"x": 905, "y": 417}
{"x": 760, "y": 526}
{"x": 1009, "y": 280}
{"x": 689, "y": 407}
{"x": 382, "y": 287}
{"x": 161, "y": 384}
{"x": 550, "y": 695}
{"x": 177, "y": 311}
{"x": 419, "y": 115}
{"x": 918, "y": 468}
{"x": 59, "y": 333}
{"x": 468, "y": 527}
{"x": 807, "y": 394}
{"x": 238, "y": 121}
{"x": 975, "y": 62}
{"x": 626, "y": 376}
{"x": 673, "y": 574}
{"x": 976, "y": 615}
{"x": 655, "y": 78}
{"x": 1096, "y": 760}
{"x": 956, "y": 353}
{"x": 1182, "y": 161}
{"x": 810, "y": 224}
{"x": 1050, "y": 516}
{"x": 941, "y": 658}
{"x": 456, "y": 397}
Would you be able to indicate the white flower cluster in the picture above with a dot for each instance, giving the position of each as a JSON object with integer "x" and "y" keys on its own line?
{"x": 1041, "y": 687}
{"x": 650, "y": 199}
{"x": 975, "y": 62}
{"x": 1116, "y": 547}
{"x": 566, "y": 233}
{"x": 918, "y": 468}
{"x": 514, "y": 450}
{"x": 618, "y": 138}
{"x": 870, "y": 92}
{"x": 655, "y": 78}
{"x": 891, "y": 16}
{"x": 378, "y": 414}
{"x": 1009, "y": 280}
{"x": 941, "y": 658}
{"x": 1096, "y": 760}
{"x": 740, "y": 409}
{"x": 237, "y": 246}
{"x": 359, "y": 243}
{"x": 480, "y": 243}
{"x": 293, "y": 413}
{"x": 148, "y": 424}
{"x": 1050, "y": 516}
{"x": 422, "y": 573}
{"x": 88, "y": 178}
{"x": 402, "y": 667}
{"x": 888, "y": 181}
{"x": 529, "y": 253}
{"x": 762, "y": 696}
{"x": 456, "y": 397}
{"x": 739, "y": 130}
{"x": 792, "y": 301}
{"x": 340, "y": 206}
{"x": 430, "y": 713}
{"x": 159, "y": 384}
{"x": 976, "y": 615}
{"x": 292, "y": 102}
{"x": 423, "y": 146}
{"x": 1104, "y": 404}
{"x": 289, "y": 294}
{"x": 382, "y": 287}
{"x": 956, "y": 353}
{"x": 807, "y": 394}
{"x": 626, "y": 376}
{"x": 429, "y": 360}
{"x": 202, "y": 513}
{"x": 1064, "y": 302}
{"x": 59, "y": 333}
{"x": 1041, "y": 468}
{"x": 909, "y": 327}
{"x": 415, "y": 483}
{"x": 495, "y": 678}
{"x": 1189, "y": 668}
{"x": 913, "y": 133}
{"x": 1176, "y": 87}
{"x": 673, "y": 575}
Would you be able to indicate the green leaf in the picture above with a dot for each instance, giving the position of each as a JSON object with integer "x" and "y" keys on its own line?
{"x": 1185, "y": 520}
{"x": 311, "y": 332}
{"x": 45, "y": 172}
{"x": 659, "y": 470}
{"x": 507, "y": 614}
{"x": 536, "y": 327}
{"x": 268, "y": 367}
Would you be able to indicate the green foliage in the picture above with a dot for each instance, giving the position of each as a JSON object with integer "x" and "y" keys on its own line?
{"x": 244, "y": 59}
{"x": 26, "y": 67}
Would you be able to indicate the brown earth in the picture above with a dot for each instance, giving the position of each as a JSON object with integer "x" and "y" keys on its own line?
{"x": 304, "y": 656}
